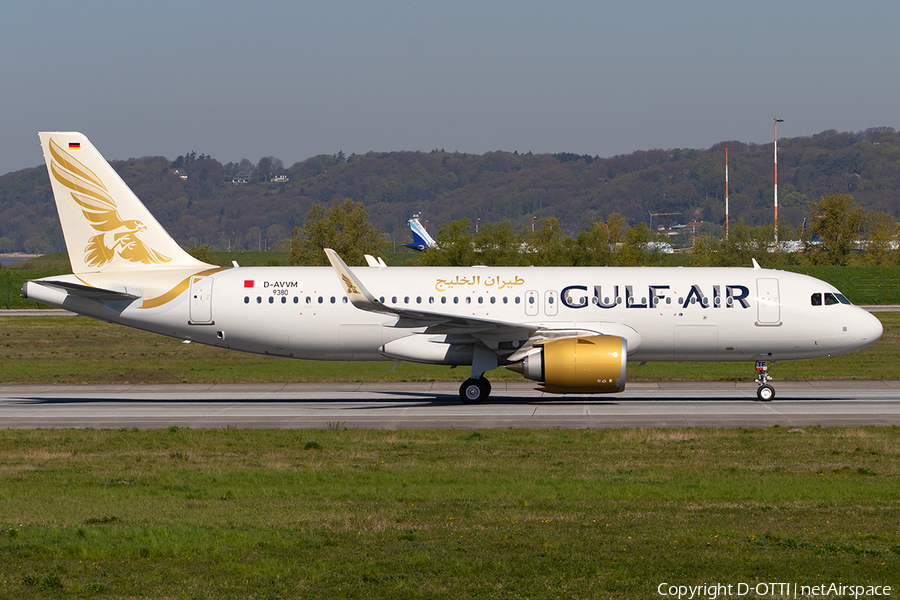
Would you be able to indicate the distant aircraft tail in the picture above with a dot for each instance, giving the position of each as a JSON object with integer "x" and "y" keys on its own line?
{"x": 106, "y": 227}
{"x": 421, "y": 239}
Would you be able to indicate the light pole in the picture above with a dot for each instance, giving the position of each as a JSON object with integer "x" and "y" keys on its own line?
{"x": 777, "y": 121}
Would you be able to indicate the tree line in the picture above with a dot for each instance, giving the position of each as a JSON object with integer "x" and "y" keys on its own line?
{"x": 836, "y": 232}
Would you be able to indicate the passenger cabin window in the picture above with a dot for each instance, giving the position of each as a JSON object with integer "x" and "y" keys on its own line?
{"x": 816, "y": 299}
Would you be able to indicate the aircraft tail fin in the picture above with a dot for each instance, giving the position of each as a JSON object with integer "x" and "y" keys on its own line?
{"x": 106, "y": 227}
{"x": 421, "y": 239}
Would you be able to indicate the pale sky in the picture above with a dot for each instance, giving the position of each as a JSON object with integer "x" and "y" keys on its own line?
{"x": 294, "y": 79}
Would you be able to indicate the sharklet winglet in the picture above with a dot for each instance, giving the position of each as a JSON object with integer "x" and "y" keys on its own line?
{"x": 359, "y": 296}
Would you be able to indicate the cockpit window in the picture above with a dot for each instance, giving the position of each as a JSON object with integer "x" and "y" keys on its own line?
{"x": 816, "y": 299}
{"x": 830, "y": 299}
{"x": 842, "y": 299}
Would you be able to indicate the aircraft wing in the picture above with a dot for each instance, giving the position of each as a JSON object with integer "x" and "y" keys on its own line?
{"x": 507, "y": 339}
{"x": 434, "y": 322}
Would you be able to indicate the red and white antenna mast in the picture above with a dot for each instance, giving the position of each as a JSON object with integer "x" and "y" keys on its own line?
{"x": 777, "y": 121}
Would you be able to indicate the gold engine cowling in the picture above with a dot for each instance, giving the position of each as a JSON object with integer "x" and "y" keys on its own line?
{"x": 591, "y": 365}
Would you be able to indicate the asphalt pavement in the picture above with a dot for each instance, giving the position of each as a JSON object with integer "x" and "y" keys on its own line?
{"x": 437, "y": 405}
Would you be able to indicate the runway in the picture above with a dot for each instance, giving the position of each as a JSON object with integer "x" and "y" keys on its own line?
{"x": 437, "y": 405}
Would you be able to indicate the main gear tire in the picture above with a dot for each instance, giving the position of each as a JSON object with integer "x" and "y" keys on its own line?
{"x": 474, "y": 391}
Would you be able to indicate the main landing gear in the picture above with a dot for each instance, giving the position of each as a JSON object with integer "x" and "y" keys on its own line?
{"x": 476, "y": 389}
{"x": 764, "y": 392}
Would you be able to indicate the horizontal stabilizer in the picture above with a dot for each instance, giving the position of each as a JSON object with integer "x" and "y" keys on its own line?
{"x": 91, "y": 293}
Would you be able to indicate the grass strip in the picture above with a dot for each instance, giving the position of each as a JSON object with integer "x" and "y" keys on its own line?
{"x": 179, "y": 513}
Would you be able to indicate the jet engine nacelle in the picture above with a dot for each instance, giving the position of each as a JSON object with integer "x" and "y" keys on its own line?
{"x": 591, "y": 365}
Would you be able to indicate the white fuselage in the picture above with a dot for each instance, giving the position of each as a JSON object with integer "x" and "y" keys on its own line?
{"x": 665, "y": 314}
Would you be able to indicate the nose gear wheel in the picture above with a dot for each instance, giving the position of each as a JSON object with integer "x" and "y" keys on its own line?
{"x": 765, "y": 392}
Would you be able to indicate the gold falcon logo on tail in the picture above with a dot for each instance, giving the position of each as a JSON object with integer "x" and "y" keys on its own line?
{"x": 115, "y": 236}
{"x": 349, "y": 285}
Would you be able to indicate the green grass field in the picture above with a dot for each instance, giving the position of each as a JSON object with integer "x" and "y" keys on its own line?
{"x": 179, "y": 513}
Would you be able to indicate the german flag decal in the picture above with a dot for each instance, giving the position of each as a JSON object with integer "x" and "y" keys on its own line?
{"x": 74, "y": 145}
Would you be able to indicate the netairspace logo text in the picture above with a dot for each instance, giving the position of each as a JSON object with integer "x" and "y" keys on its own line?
{"x": 771, "y": 590}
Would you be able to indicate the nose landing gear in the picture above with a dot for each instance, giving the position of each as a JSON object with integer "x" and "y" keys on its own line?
{"x": 765, "y": 392}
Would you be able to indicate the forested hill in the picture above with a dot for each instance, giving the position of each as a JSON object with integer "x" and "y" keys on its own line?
{"x": 207, "y": 208}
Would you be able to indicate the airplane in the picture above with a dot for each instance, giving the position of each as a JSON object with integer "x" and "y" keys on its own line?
{"x": 421, "y": 239}
{"x": 571, "y": 329}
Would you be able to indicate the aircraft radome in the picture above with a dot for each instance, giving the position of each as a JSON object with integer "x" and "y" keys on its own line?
{"x": 573, "y": 329}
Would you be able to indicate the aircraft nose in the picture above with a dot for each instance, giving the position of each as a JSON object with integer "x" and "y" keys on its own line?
{"x": 870, "y": 328}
